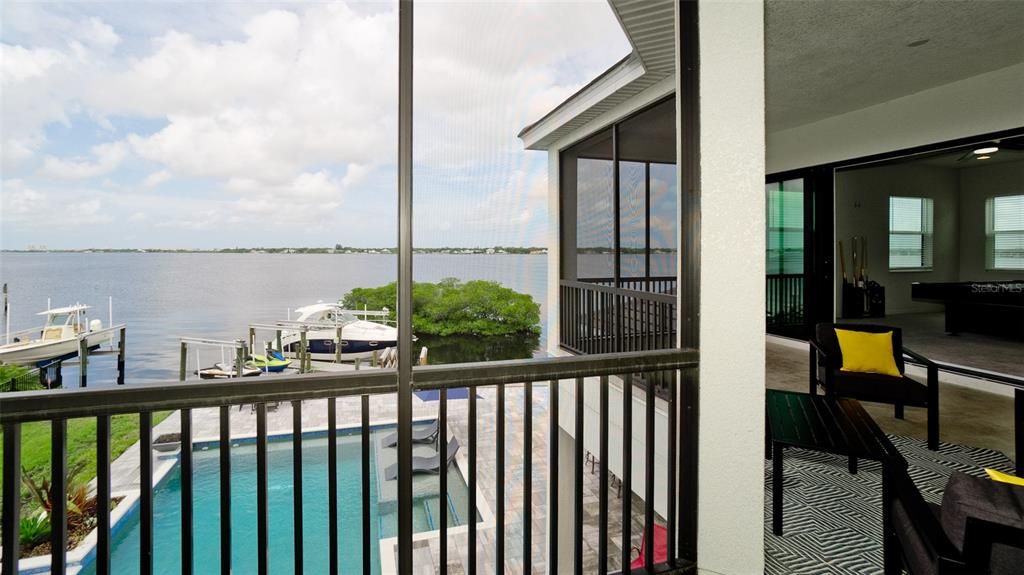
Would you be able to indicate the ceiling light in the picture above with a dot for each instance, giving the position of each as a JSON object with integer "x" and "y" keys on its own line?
{"x": 917, "y": 43}
{"x": 984, "y": 157}
{"x": 983, "y": 151}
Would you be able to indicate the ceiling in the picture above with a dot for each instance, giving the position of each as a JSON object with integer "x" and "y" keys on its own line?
{"x": 822, "y": 58}
{"x": 1011, "y": 149}
{"x": 829, "y": 58}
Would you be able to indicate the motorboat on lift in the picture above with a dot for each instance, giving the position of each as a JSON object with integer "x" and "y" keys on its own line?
{"x": 359, "y": 337}
{"x": 57, "y": 339}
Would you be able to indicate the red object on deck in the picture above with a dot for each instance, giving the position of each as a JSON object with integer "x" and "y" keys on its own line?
{"x": 660, "y": 548}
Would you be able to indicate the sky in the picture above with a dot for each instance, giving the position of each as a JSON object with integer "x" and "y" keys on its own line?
{"x": 239, "y": 124}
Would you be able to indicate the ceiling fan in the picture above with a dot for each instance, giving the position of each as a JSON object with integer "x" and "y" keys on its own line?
{"x": 984, "y": 150}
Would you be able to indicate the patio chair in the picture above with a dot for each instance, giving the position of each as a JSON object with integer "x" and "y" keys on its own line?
{"x": 425, "y": 464}
{"x": 419, "y": 435}
{"x": 978, "y": 529}
{"x": 660, "y": 548}
{"x": 826, "y": 359}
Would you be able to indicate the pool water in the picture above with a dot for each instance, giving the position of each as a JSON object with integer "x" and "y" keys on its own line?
{"x": 206, "y": 505}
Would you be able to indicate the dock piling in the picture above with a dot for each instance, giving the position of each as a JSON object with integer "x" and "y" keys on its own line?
{"x": 83, "y": 360}
{"x": 121, "y": 355}
{"x": 239, "y": 358}
{"x": 303, "y": 351}
{"x": 337, "y": 348}
{"x": 183, "y": 363}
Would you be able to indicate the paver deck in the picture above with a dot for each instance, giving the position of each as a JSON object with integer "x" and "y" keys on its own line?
{"x": 426, "y": 548}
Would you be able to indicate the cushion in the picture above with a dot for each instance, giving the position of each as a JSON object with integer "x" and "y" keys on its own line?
{"x": 916, "y": 552}
{"x": 881, "y": 388}
{"x": 1005, "y": 477}
{"x": 994, "y": 501}
{"x": 865, "y": 352}
{"x": 825, "y": 335}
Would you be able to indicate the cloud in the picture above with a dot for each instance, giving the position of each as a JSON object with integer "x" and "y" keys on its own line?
{"x": 156, "y": 178}
{"x": 20, "y": 202}
{"x": 107, "y": 159}
{"x": 289, "y": 114}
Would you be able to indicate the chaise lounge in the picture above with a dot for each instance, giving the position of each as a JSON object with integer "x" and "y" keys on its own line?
{"x": 425, "y": 464}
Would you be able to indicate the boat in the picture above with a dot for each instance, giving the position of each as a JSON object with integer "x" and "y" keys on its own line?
{"x": 359, "y": 337}
{"x": 224, "y": 370}
{"x": 57, "y": 339}
{"x": 273, "y": 362}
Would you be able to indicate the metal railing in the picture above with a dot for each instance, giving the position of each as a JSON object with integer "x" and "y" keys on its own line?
{"x": 784, "y": 295}
{"x": 596, "y": 318}
{"x": 589, "y": 374}
{"x": 653, "y": 284}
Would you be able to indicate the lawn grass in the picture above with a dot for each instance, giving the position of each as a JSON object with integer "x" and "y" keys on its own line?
{"x": 81, "y": 440}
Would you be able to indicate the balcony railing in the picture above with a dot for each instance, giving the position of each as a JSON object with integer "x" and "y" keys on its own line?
{"x": 586, "y": 375}
{"x": 653, "y": 284}
{"x": 784, "y": 294}
{"x": 596, "y": 318}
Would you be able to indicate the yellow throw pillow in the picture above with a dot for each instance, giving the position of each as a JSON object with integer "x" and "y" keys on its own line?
{"x": 1005, "y": 477}
{"x": 865, "y": 352}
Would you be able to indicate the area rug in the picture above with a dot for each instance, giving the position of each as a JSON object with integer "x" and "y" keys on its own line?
{"x": 833, "y": 520}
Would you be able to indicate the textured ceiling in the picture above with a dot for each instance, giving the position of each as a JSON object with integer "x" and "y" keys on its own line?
{"x": 828, "y": 58}
{"x": 825, "y": 58}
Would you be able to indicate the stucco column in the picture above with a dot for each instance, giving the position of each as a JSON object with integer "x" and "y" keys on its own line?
{"x": 732, "y": 304}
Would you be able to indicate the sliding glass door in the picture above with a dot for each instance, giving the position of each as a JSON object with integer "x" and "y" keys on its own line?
{"x": 785, "y": 280}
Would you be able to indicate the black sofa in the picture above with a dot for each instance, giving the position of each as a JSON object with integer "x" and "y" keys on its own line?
{"x": 978, "y": 529}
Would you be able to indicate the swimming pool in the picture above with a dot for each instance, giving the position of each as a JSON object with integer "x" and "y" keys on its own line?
{"x": 206, "y": 490}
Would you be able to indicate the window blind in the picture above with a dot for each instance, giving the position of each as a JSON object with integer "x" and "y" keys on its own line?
{"x": 1004, "y": 230}
{"x": 785, "y": 228}
{"x": 910, "y": 233}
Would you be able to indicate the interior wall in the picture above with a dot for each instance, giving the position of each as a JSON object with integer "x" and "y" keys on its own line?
{"x": 977, "y": 184}
{"x": 862, "y": 209}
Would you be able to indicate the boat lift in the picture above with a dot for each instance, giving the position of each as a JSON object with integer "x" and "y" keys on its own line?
{"x": 239, "y": 345}
{"x": 305, "y": 360}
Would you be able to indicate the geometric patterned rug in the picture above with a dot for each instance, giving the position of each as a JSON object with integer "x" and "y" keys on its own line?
{"x": 833, "y": 520}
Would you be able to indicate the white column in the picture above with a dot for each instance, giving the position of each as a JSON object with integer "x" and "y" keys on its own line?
{"x": 554, "y": 253}
{"x": 732, "y": 305}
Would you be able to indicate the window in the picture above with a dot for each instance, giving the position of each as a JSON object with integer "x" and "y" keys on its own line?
{"x": 910, "y": 233}
{"x": 642, "y": 208}
{"x": 1004, "y": 231}
{"x": 784, "y": 243}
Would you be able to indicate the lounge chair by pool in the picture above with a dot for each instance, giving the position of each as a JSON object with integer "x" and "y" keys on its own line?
{"x": 425, "y": 464}
{"x": 422, "y": 435}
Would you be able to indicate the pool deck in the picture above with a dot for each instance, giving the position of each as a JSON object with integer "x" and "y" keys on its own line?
{"x": 383, "y": 411}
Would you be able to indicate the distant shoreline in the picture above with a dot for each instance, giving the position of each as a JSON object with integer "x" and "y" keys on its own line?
{"x": 331, "y": 251}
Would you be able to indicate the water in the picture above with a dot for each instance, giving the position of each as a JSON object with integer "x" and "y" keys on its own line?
{"x": 166, "y": 296}
{"x": 206, "y": 489}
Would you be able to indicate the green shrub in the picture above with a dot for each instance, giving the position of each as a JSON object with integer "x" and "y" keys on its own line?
{"x": 451, "y": 307}
{"x": 34, "y": 529}
{"x": 17, "y": 378}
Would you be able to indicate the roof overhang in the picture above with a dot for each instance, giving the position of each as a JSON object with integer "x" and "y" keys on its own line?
{"x": 650, "y": 27}
{"x": 540, "y": 134}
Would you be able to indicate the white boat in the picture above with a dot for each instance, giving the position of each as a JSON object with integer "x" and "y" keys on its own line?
{"x": 58, "y": 338}
{"x": 359, "y": 337}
